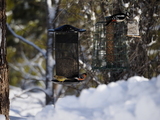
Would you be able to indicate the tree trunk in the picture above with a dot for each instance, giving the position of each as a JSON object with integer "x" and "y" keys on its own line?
{"x": 51, "y": 21}
{"x": 49, "y": 58}
{"x": 4, "y": 83}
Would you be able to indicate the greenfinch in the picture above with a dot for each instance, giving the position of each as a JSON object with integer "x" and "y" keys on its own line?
{"x": 61, "y": 78}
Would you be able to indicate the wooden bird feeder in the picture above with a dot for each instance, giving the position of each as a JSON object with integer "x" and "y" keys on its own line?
{"x": 66, "y": 46}
{"x": 110, "y": 46}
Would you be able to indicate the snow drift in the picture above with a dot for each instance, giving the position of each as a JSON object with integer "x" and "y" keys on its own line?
{"x": 135, "y": 99}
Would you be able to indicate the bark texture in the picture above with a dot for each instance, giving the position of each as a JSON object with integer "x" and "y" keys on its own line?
{"x": 4, "y": 83}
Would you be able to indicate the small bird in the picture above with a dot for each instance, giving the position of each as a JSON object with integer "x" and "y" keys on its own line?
{"x": 119, "y": 17}
{"x": 82, "y": 76}
{"x": 61, "y": 78}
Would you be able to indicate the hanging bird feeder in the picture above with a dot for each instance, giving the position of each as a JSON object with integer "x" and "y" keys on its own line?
{"x": 66, "y": 53}
{"x": 110, "y": 45}
{"x": 133, "y": 28}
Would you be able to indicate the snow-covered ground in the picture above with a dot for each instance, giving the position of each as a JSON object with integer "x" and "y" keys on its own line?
{"x": 2, "y": 117}
{"x": 26, "y": 104}
{"x": 135, "y": 99}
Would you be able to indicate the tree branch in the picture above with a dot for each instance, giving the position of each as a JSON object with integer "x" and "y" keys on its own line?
{"x": 26, "y": 41}
{"x": 34, "y": 88}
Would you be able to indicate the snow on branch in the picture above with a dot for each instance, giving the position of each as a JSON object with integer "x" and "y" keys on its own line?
{"x": 31, "y": 89}
{"x": 26, "y": 41}
{"x": 34, "y": 65}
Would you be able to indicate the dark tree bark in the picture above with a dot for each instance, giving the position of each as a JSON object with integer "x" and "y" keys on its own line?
{"x": 4, "y": 83}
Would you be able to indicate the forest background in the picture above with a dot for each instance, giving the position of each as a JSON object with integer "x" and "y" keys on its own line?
{"x": 30, "y": 20}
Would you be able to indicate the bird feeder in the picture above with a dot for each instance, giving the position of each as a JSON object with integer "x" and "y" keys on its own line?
{"x": 133, "y": 28}
{"x": 110, "y": 46}
{"x": 66, "y": 54}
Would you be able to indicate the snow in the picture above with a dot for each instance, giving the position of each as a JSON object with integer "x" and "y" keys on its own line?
{"x": 2, "y": 117}
{"x": 134, "y": 99}
{"x": 93, "y": 17}
{"x": 137, "y": 18}
{"x": 51, "y": 61}
{"x": 27, "y": 104}
{"x": 51, "y": 10}
{"x": 126, "y": 5}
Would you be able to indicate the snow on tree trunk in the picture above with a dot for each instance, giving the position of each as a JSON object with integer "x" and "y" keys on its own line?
{"x": 52, "y": 8}
{"x": 4, "y": 84}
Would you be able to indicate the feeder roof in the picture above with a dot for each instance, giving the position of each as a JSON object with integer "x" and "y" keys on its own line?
{"x": 66, "y": 28}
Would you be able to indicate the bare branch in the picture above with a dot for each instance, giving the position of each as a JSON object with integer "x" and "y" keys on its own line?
{"x": 26, "y": 41}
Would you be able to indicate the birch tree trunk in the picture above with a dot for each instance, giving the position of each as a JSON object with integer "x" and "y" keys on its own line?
{"x": 4, "y": 84}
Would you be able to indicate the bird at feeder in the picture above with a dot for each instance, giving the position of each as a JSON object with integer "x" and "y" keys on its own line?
{"x": 61, "y": 78}
{"x": 82, "y": 76}
{"x": 119, "y": 17}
